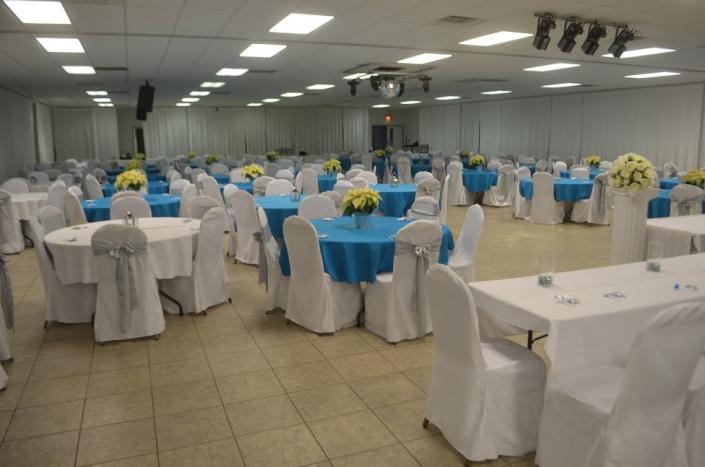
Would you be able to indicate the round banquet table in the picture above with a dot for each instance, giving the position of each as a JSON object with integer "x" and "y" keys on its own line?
{"x": 668, "y": 183}
{"x": 357, "y": 255}
{"x": 479, "y": 180}
{"x": 278, "y": 208}
{"x": 660, "y": 206}
{"x": 593, "y": 173}
{"x": 326, "y": 182}
{"x": 419, "y": 165}
{"x": 221, "y": 178}
{"x": 154, "y": 188}
{"x": 247, "y": 186}
{"x": 171, "y": 243}
{"x": 26, "y": 205}
{"x": 161, "y": 205}
{"x": 564, "y": 189}
{"x": 396, "y": 201}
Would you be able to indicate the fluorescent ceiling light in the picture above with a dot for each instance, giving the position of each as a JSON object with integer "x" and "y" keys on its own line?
{"x": 354, "y": 76}
{"x": 97, "y": 93}
{"x": 297, "y": 23}
{"x": 380, "y": 106}
{"x": 199, "y": 93}
{"x": 561, "y": 85}
{"x": 495, "y": 38}
{"x": 183, "y": 104}
{"x": 105, "y": 105}
{"x": 320, "y": 87}
{"x": 190, "y": 99}
{"x": 552, "y": 67}
{"x": 410, "y": 102}
{"x": 255, "y": 104}
{"x": 101, "y": 99}
{"x": 492, "y": 93}
{"x": 658, "y": 74}
{"x": 292, "y": 94}
{"x": 270, "y": 100}
{"x": 79, "y": 70}
{"x": 232, "y": 71}
{"x": 39, "y": 12}
{"x": 61, "y": 45}
{"x": 422, "y": 59}
{"x": 212, "y": 84}
{"x": 447, "y": 98}
{"x": 262, "y": 50}
{"x": 642, "y": 52}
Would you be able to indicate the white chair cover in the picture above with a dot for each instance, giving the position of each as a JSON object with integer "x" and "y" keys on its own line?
{"x": 461, "y": 260}
{"x": 134, "y": 204}
{"x": 100, "y": 174}
{"x": 425, "y": 207}
{"x": 259, "y": 186}
{"x": 236, "y": 176}
{"x": 343, "y": 186}
{"x": 686, "y": 200}
{"x": 367, "y": 161}
{"x": 247, "y": 224}
{"x": 38, "y": 178}
{"x": 670, "y": 170}
{"x": 318, "y": 168}
{"x": 438, "y": 169}
{"x": 421, "y": 176}
{"x": 74, "y": 210}
{"x": 358, "y": 182}
{"x": 51, "y": 219}
{"x": 501, "y": 194}
{"x": 271, "y": 169}
{"x": 352, "y": 173}
{"x": 315, "y": 301}
{"x": 198, "y": 206}
{"x": 544, "y": 208}
{"x": 275, "y": 283}
{"x": 395, "y": 304}
{"x": 173, "y": 177}
{"x": 337, "y": 199}
{"x": 631, "y": 416}
{"x": 177, "y": 186}
{"x": 404, "y": 170}
{"x": 68, "y": 179}
{"x": 93, "y": 189}
{"x": 279, "y": 187}
{"x": 443, "y": 215}
{"x": 286, "y": 164}
{"x": 596, "y": 209}
{"x": 457, "y": 195}
{"x": 228, "y": 191}
{"x": 307, "y": 182}
{"x": 218, "y": 168}
{"x": 195, "y": 173}
{"x": 16, "y": 185}
{"x": 187, "y": 194}
{"x": 11, "y": 240}
{"x": 285, "y": 174}
{"x": 369, "y": 177}
{"x": 317, "y": 207}
{"x": 127, "y": 304}
{"x": 56, "y": 195}
{"x": 580, "y": 172}
{"x": 210, "y": 188}
{"x": 428, "y": 187}
{"x": 521, "y": 207}
{"x": 558, "y": 167}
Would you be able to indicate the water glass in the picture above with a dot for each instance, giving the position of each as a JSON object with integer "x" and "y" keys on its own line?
{"x": 547, "y": 265}
{"x": 654, "y": 255}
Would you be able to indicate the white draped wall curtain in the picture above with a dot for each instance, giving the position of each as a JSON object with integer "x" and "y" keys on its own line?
{"x": 85, "y": 133}
{"x": 663, "y": 123}
{"x": 17, "y": 150}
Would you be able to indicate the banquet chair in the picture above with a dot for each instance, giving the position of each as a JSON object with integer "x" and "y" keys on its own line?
{"x": 218, "y": 168}
{"x": 279, "y": 187}
{"x": 56, "y": 195}
{"x": 93, "y": 189}
{"x": 369, "y": 177}
{"x": 352, "y": 173}
{"x": 285, "y": 174}
{"x": 276, "y": 284}
{"x": 596, "y": 209}
{"x": 438, "y": 169}
{"x": 210, "y": 188}
{"x": 428, "y": 187}
{"x": 315, "y": 301}
{"x": 686, "y": 200}
{"x": 271, "y": 169}
{"x": 337, "y": 199}
{"x": 366, "y": 160}
{"x": 443, "y": 214}
{"x": 484, "y": 397}
{"x": 74, "y": 210}
{"x": 541, "y": 165}
{"x": 544, "y": 208}
{"x": 580, "y": 172}
{"x": 195, "y": 173}
{"x": 343, "y": 186}
{"x": 125, "y": 194}
{"x": 129, "y": 307}
{"x": 236, "y": 176}
{"x": 230, "y": 218}
{"x": 501, "y": 194}
{"x": 51, "y": 219}
{"x": 521, "y": 207}
{"x": 188, "y": 193}
{"x": 16, "y": 185}
{"x": 65, "y": 303}
{"x": 494, "y": 164}
{"x": 307, "y": 182}
{"x": 11, "y": 240}
{"x": 76, "y": 191}
{"x": 461, "y": 260}
{"x": 68, "y": 179}
{"x": 631, "y": 415}
{"x": 358, "y": 182}
{"x": 558, "y": 167}
{"x": 605, "y": 165}
{"x": 100, "y": 175}
{"x": 38, "y": 178}
{"x": 395, "y": 304}
{"x": 318, "y": 168}
{"x": 421, "y": 176}
{"x": 456, "y": 191}
{"x": 173, "y": 177}
{"x": 259, "y": 186}
{"x": 133, "y": 204}
{"x": 247, "y": 223}
{"x": 426, "y": 208}
{"x": 286, "y": 164}
{"x": 177, "y": 186}
{"x": 198, "y": 206}
{"x": 207, "y": 285}
{"x": 317, "y": 207}
{"x": 404, "y": 170}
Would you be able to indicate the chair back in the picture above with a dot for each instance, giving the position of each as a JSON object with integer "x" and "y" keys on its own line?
{"x": 337, "y": 199}
{"x": 429, "y": 187}
{"x": 307, "y": 182}
{"x": 100, "y": 175}
{"x": 271, "y": 169}
{"x": 303, "y": 250}
{"x": 76, "y": 191}
{"x": 279, "y": 187}
{"x": 367, "y": 161}
{"x": 93, "y": 188}
{"x": 352, "y": 173}
{"x": 670, "y": 170}
{"x": 580, "y": 172}
{"x": 359, "y": 182}
{"x": 494, "y": 164}
{"x": 522, "y": 173}
{"x": 421, "y": 176}
{"x": 177, "y": 186}
{"x": 67, "y": 179}
{"x": 286, "y": 164}
{"x": 404, "y": 170}
{"x": 218, "y": 168}
{"x": 210, "y": 188}
{"x": 38, "y": 178}
{"x": 236, "y": 176}
{"x": 74, "y": 210}
{"x": 44, "y": 260}
{"x": 542, "y": 166}
{"x": 259, "y": 186}
{"x": 370, "y": 177}
{"x": 686, "y": 200}
{"x": 198, "y": 206}
{"x": 56, "y": 195}
{"x": 558, "y": 167}
{"x": 425, "y": 207}
{"x": 133, "y": 204}
{"x": 173, "y": 176}
{"x": 343, "y": 186}
{"x": 598, "y": 201}
{"x": 438, "y": 169}
{"x": 245, "y": 211}
{"x": 228, "y": 190}
{"x": 125, "y": 194}
{"x": 16, "y": 185}
{"x": 469, "y": 238}
{"x": 285, "y": 174}
{"x": 317, "y": 207}
{"x": 209, "y": 254}
{"x": 51, "y": 219}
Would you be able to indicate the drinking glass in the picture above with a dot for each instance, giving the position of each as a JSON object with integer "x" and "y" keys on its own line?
{"x": 654, "y": 255}
{"x": 547, "y": 265}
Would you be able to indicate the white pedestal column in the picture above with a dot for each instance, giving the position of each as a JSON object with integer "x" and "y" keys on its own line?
{"x": 629, "y": 225}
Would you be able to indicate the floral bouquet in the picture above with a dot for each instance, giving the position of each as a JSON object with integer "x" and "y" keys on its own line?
{"x": 632, "y": 172}
{"x": 388, "y": 151}
{"x": 478, "y": 160}
{"x": 360, "y": 201}
{"x": 130, "y": 180}
{"x": 211, "y": 159}
{"x": 332, "y": 165}
{"x": 252, "y": 171}
{"x": 695, "y": 177}
{"x": 464, "y": 153}
{"x": 380, "y": 153}
{"x": 135, "y": 164}
{"x": 272, "y": 156}
{"x": 593, "y": 161}
{"x": 140, "y": 156}
{"x": 192, "y": 154}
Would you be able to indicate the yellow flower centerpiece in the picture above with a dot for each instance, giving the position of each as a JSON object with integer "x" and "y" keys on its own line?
{"x": 632, "y": 172}
{"x": 695, "y": 177}
{"x": 135, "y": 164}
{"x": 388, "y": 151}
{"x": 211, "y": 159}
{"x": 332, "y": 165}
{"x": 464, "y": 153}
{"x": 380, "y": 153}
{"x": 478, "y": 160}
{"x": 593, "y": 161}
{"x": 272, "y": 156}
{"x": 252, "y": 171}
{"x": 360, "y": 203}
{"x": 140, "y": 156}
{"x": 192, "y": 154}
{"x": 130, "y": 180}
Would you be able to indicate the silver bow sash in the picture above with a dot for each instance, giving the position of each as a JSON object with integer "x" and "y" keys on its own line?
{"x": 8, "y": 307}
{"x": 262, "y": 259}
{"x": 602, "y": 201}
{"x": 127, "y": 292}
{"x": 684, "y": 206}
{"x": 423, "y": 256}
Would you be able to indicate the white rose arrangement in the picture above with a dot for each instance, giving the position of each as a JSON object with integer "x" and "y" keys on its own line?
{"x": 632, "y": 172}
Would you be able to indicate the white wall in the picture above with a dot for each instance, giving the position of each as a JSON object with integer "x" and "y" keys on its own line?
{"x": 90, "y": 133}
{"x": 17, "y": 148}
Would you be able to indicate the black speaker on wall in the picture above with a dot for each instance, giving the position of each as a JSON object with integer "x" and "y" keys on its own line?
{"x": 141, "y": 114}
{"x": 145, "y": 101}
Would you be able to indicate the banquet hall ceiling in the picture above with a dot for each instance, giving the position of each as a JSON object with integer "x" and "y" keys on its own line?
{"x": 177, "y": 44}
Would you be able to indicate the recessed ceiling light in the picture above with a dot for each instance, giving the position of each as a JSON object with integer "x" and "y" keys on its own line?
{"x": 297, "y": 23}
{"x": 447, "y": 98}
{"x": 212, "y": 84}
{"x": 101, "y": 99}
{"x": 199, "y": 93}
{"x": 422, "y": 59}
{"x": 232, "y": 71}
{"x": 380, "y": 106}
{"x": 492, "y": 93}
{"x": 97, "y": 93}
{"x": 292, "y": 94}
{"x": 410, "y": 102}
{"x": 262, "y": 50}
{"x": 552, "y": 67}
{"x": 190, "y": 99}
{"x": 320, "y": 87}
{"x": 270, "y": 100}
{"x": 495, "y": 38}
{"x": 61, "y": 45}
{"x": 561, "y": 85}
{"x": 39, "y": 12}
{"x": 79, "y": 70}
{"x": 658, "y": 74}
{"x": 255, "y": 104}
{"x": 183, "y": 104}
{"x": 642, "y": 52}
{"x": 354, "y": 76}
{"x": 105, "y": 105}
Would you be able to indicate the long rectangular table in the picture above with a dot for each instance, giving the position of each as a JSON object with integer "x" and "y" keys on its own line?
{"x": 680, "y": 235}
{"x": 599, "y": 330}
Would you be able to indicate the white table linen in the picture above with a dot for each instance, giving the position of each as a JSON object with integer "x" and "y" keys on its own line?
{"x": 39, "y": 187}
{"x": 680, "y": 235}
{"x": 171, "y": 242}
{"x": 599, "y": 330}
{"x": 26, "y": 205}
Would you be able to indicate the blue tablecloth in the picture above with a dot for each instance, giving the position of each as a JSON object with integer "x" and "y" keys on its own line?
{"x": 564, "y": 189}
{"x": 417, "y": 165}
{"x": 221, "y": 178}
{"x": 154, "y": 188}
{"x": 479, "y": 181}
{"x": 162, "y": 206}
{"x": 395, "y": 200}
{"x": 529, "y": 165}
{"x": 660, "y": 206}
{"x": 247, "y": 186}
{"x": 277, "y": 208}
{"x": 593, "y": 173}
{"x": 326, "y": 182}
{"x": 668, "y": 183}
{"x": 353, "y": 255}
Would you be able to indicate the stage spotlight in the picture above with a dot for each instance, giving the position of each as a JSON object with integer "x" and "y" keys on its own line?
{"x": 425, "y": 82}
{"x": 353, "y": 86}
{"x": 619, "y": 46}
{"x": 375, "y": 82}
{"x": 543, "y": 28}
{"x": 401, "y": 89}
{"x": 592, "y": 43}
{"x": 570, "y": 31}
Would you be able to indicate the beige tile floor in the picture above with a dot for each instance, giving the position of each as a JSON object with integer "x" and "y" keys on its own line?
{"x": 238, "y": 387}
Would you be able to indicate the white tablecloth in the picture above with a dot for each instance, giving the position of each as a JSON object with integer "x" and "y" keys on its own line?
{"x": 171, "y": 244}
{"x": 680, "y": 235}
{"x": 26, "y": 205}
{"x": 599, "y": 330}
{"x": 40, "y": 187}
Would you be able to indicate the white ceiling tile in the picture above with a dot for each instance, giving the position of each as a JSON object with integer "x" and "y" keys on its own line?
{"x": 151, "y": 19}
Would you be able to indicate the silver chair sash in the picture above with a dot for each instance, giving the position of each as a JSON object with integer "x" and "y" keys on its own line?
{"x": 262, "y": 259}
{"x": 423, "y": 255}
{"x": 8, "y": 305}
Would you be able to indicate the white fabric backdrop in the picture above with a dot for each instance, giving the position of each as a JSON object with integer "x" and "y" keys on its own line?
{"x": 45, "y": 133}
{"x": 16, "y": 134}
{"x": 85, "y": 133}
{"x": 356, "y": 130}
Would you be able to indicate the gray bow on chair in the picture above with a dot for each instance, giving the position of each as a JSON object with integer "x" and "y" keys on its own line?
{"x": 8, "y": 306}
{"x": 684, "y": 206}
{"x": 260, "y": 238}
{"x": 423, "y": 255}
{"x": 600, "y": 183}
